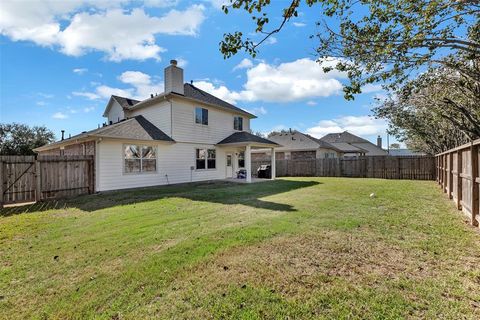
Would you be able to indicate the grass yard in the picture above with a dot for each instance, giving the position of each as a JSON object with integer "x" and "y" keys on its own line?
{"x": 293, "y": 248}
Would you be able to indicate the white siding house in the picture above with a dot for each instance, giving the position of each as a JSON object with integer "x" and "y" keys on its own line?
{"x": 182, "y": 135}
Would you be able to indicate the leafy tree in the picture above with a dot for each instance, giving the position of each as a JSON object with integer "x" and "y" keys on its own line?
{"x": 436, "y": 111}
{"x": 259, "y": 134}
{"x": 394, "y": 146}
{"x": 375, "y": 40}
{"x": 20, "y": 139}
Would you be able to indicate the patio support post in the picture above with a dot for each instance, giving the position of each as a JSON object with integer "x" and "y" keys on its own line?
{"x": 248, "y": 163}
{"x": 273, "y": 168}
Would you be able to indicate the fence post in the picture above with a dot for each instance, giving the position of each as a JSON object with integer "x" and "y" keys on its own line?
{"x": 38, "y": 181}
{"x": 474, "y": 175}
{"x": 459, "y": 180}
{"x": 1, "y": 184}
{"x": 450, "y": 175}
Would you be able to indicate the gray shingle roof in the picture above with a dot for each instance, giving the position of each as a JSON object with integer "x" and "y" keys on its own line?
{"x": 190, "y": 91}
{"x": 243, "y": 136}
{"x": 296, "y": 140}
{"x": 346, "y": 147}
{"x": 345, "y": 136}
{"x": 136, "y": 128}
{"x": 125, "y": 102}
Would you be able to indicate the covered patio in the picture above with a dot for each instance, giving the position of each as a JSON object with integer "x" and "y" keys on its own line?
{"x": 242, "y": 143}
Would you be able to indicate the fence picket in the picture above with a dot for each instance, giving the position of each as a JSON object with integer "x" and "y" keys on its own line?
{"x": 26, "y": 178}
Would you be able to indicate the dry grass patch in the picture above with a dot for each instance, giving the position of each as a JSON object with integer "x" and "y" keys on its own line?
{"x": 298, "y": 268}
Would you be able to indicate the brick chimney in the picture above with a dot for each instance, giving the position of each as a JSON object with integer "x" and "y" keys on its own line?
{"x": 379, "y": 142}
{"x": 174, "y": 78}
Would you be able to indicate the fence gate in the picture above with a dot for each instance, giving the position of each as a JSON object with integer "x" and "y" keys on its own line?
{"x": 17, "y": 174}
{"x": 27, "y": 179}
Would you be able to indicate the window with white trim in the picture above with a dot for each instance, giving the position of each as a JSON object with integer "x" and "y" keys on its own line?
{"x": 139, "y": 158}
{"x": 238, "y": 123}
{"x": 201, "y": 116}
{"x": 205, "y": 159}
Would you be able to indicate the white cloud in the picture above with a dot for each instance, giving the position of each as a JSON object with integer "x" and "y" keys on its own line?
{"x": 244, "y": 64}
{"x": 59, "y": 115}
{"x": 311, "y": 103}
{"x": 45, "y": 95}
{"x": 104, "y": 26}
{"x": 299, "y": 24}
{"x": 220, "y": 91}
{"x": 80, "y": 71}
{"x": 88, "y": 109}
{"x": 369, "y": 88}
{"x": 140, "y": 87}
{"x": 182, "y": 63}
{"x": 287, "y": 82}
{"x": 88, "y": 95}
{"x": 41, "y": 103}
{"x": 271, "y": 40}
{"x": 258, "y": 111}
{"x": 359, "y": 125}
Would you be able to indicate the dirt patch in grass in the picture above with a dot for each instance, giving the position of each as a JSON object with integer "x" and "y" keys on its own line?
{"x": 294, "y": 260}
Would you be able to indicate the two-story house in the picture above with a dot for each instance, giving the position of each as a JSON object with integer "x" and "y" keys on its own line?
{"x": 182, "y": 135}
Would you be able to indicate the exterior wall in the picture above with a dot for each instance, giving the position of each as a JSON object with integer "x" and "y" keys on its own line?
{"x": 303, "y": 155}
{"x": 115, "y": 113}
{"x": 77, "y": 149}
{"x": 173, "y": 161}
{"x": 159, "y": 114}
{"x": 324, "y": 153}
{"x": 220, "y": 124}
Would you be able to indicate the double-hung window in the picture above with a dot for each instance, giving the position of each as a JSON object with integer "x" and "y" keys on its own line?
{"x": 138, "y": 159}
{"x": 205, "y": 159}
{"x": 201, "y": 116}
{"x": 238, "y": 123}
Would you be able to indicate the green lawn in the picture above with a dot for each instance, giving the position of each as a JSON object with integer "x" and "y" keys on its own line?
{"x": 293, "y": 248}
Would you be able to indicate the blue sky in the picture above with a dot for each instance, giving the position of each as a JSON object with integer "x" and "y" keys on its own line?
{"x": 60, "y": 61}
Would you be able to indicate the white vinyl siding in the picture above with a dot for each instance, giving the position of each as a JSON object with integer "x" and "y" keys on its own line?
{"x": 220, "y": 124}
{"x": 158, "y": 114}
{"x": 174, "y": 165}
{"x": 115, "y": 113}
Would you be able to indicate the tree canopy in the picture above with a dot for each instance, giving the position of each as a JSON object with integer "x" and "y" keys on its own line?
{"x": 425, "y": 53}
{"x": 374, "y": 40}
{"x": 20, "y": 139}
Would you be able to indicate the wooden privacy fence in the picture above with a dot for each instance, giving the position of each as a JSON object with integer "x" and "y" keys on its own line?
{"x": 30, "y": 178}
{"x": 385, "y": 167}
{"x": 458, "y": 174}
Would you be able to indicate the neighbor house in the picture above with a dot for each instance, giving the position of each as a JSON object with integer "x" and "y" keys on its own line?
{"x": 352, "y": 145}
{"x": 181, "y": 135}
{"x": 296, "y": 145}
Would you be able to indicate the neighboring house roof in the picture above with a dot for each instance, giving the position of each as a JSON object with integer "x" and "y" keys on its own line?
{"x": 405, "y": 152}
{"x": 246, "y": 137}
{"x": 348, "y": 148}
{"x": 345, "y": 136}
{"x": 351, "y": 143}
{"x": 136, "y": 128}
{"x": 296, "y": 141}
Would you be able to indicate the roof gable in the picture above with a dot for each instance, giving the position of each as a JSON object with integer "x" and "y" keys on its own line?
{"x": 246, "y": 137}
{"x": 340, "y": 137}
{"x": 192, "y": 92}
